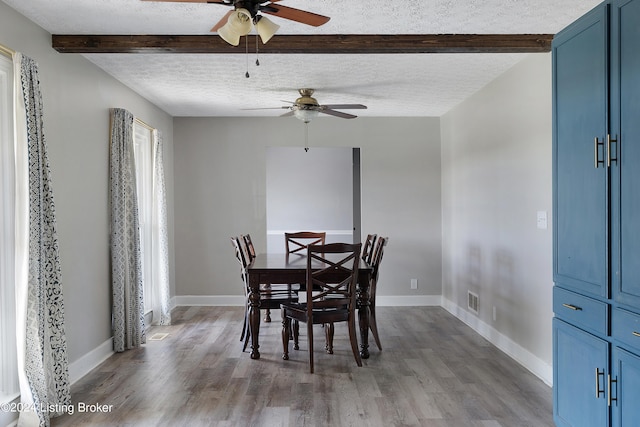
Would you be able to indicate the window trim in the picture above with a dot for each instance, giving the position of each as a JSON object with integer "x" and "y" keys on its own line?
{"x": 9, "y": 385}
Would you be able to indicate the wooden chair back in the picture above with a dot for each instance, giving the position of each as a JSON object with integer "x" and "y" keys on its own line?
{"x": 298, "y": 241}
{"x": 240, "y": 252}
{"x": 332, "y": 286}
{"x": 367, "y": 248}
{"x": 249, "y": 248}
{"x": 376, "y": 258}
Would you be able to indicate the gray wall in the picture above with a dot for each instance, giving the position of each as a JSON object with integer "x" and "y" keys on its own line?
{"x": 77, "y": 97}
{"x": 220, "y": 191}
{"x": 496, "y": 176}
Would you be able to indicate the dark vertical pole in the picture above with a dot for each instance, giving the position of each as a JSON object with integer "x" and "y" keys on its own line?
{"x": 357, "y": 209}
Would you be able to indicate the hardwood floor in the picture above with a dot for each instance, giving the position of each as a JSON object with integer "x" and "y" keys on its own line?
{"x": 433, "y": 371}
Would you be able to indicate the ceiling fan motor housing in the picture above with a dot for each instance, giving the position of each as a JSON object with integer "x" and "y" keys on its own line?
{"x": 306, "y": 100}
{"x": 252, "y": 6}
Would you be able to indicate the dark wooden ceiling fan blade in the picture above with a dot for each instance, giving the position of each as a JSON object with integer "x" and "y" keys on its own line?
{"x": 297, "y": 15}
{"x": 222, "y": 21}
{"x": 338, "y": 114}
{"x": 345, "y": 107}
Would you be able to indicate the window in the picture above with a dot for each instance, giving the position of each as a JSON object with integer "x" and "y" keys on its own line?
{"x": 143, "y": 142}
{"x": 9, "y": 387}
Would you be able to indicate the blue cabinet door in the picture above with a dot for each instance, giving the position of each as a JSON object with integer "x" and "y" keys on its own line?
{"x": 625, "y": 391}
{"x": 580, "y": 107}
{"x": 579, "y": 378}
{"x": 625, "y": 112}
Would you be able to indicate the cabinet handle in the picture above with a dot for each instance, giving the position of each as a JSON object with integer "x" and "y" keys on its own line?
{"x": 636, "y": 334}
{"x": 598, "y": 374}
{"x": 596, "y": 154}
{"x": 609, "y": 158}
{"x": 609, "y": 398}
{"x": 572, "y": 307}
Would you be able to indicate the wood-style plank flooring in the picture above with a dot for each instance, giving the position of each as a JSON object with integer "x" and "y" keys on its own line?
{"x": 433, "y": 371}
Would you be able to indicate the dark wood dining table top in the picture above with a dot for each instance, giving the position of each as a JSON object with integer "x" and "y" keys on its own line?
{"x": 269, "y": 262}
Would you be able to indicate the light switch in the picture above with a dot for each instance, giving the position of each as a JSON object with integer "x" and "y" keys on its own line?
{"x": 542, "y": 220}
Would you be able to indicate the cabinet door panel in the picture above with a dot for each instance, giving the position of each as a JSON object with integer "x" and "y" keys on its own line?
{"x": 626, "y": 370}
{"x": 580, "y": 60}
{"x": 626, "y": 223}
{"x": 577, "y": 355}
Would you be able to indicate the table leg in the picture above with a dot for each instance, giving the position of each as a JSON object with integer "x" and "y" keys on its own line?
{"x": 363, "y": 321}
{"x": 254, "y": 315}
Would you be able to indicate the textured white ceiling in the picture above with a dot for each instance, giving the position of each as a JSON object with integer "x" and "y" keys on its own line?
{"x": 390, "y": 85}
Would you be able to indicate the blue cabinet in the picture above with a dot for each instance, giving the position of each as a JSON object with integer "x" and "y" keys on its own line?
{"x": 580, "y": 100}
{"x": 596, "y": 194}
{"x": 625, "y": 396}
{"x": 581, "y": 361}
{"x": 625, "y": 60}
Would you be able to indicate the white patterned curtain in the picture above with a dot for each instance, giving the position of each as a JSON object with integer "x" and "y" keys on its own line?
{"x": 42, "y": 348}
{"x": 161, "y": 295}
{"x": 126, "y": 264}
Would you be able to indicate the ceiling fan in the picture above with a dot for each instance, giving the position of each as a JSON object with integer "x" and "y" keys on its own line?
{"x": 245, "y": 13}
{"x": 306, "y": 107}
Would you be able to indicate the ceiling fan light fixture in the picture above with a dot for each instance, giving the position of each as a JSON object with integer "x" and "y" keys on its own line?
{"x": 265, "y": 28}
{"x": 306, "y": 115}
{"x": 238, "y": 24}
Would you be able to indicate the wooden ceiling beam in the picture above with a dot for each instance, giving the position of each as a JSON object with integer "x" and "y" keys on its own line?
{"x": 308, "y": 44}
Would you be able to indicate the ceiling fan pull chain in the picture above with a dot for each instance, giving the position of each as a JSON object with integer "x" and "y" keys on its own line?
{"x": 257, "y": 60}
{"x": 246, "y": 49}
{"x": 306, "y": 137}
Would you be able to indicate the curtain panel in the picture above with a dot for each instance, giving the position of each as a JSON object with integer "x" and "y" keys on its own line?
{"x": 42, "y": 348}
{"x": 161, "y": 295}
{"x": 126, "y": 264}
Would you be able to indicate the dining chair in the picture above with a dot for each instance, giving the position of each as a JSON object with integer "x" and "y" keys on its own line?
{"x": 332, "y": 274}
{"x": 298, "y": 241}
{"x": 376, "y": 260}
{"x": 367, "y": 248}
{"x": 268, "y": 289}
{"x": 294, "y": 243}
{"x": 269, "y": 300}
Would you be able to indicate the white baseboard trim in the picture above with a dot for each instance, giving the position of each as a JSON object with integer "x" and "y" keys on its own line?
{"x": 408, "y": 300}
{"x": 209, "y": 300}
{"x": 524, "y": 357}
{"x": 89, "y": 361}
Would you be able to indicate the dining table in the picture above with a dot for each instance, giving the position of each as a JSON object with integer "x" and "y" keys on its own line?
{"x": 279, "y": 268}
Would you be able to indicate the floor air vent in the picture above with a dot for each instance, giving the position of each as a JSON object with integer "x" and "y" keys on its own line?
{"x": 472, "y": 302}
{"x": 158, "y": 337}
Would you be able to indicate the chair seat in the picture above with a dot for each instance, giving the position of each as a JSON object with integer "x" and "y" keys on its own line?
{"x": 273, "y": 302}
{"x": 298, "y": 311}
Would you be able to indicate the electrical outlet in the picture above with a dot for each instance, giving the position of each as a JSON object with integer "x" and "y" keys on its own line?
{"x": 414, "y": 283}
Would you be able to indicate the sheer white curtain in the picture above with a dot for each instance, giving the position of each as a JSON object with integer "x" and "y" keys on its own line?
{"x": 126, "y": 263}
{"x": 161, "y": 295}
{"x": 43, "y": 368}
